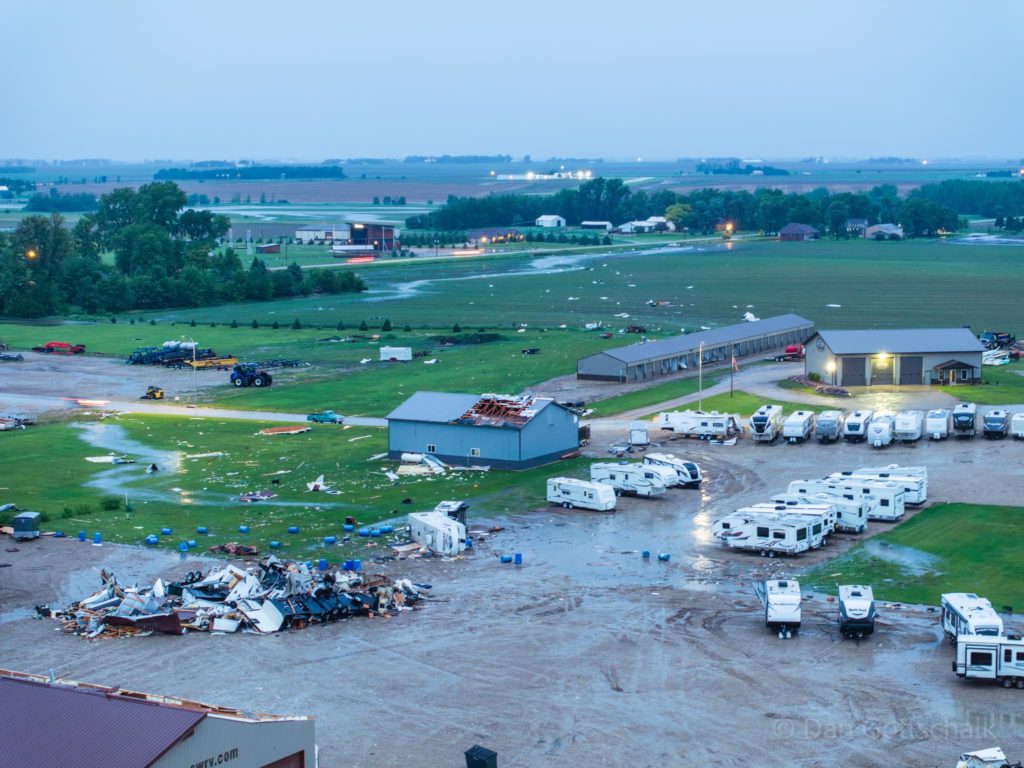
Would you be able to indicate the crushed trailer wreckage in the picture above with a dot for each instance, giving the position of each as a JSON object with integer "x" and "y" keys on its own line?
{"x": 276, "y": 595}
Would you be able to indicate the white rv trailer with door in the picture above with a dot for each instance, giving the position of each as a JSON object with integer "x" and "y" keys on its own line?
{"x": 995, "y": 424}
{"x": 887, "y": 500}
{"x": 798, "y": 426}
{"x": 782, "y": 606}
{"x": 936, "y": 424}
{"x": 965, "y": 416}
{"x": 1017, "y": 425}
{"x": 766, "y": 424}
{"x": 633, "y": 478}
{"x": 881, "y": 431}
{"x": 719, "y": 426}
{"x": 964, "y": 613}
{"x": 436, "y": 531}
{"x": 855, "y": 427}
{"x": 768, "y": 533}
{"x": 913, "y": 479}
{"x": 856, "y": 610}
{"x": 828, "y": 427}
{"x": 570, "y": 492}
{"x": 688, "y": 471}
{"x": 991, "y": 658}
{"x": 993, "y": 757}
{"x": 638, "y": 433}
{"x": 851, "y": 515}
{"x": 826, "y": 513}
{"x": 909, "y": 426}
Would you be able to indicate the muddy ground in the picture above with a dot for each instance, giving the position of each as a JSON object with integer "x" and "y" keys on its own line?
{"x": 587, "y": 654}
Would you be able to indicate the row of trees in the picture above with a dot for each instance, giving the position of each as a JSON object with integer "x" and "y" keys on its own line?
{"x": 163, "y": 256}
{"x": 55, "y": 202}
{"x": 925, "y": 212}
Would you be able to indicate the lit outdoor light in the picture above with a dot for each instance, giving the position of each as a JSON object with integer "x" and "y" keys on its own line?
{"x": 830, "y": 366}
{"x": 728, "y": 227}
{"x": 31, "y": 254}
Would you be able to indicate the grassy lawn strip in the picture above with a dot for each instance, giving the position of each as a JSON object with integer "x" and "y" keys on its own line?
{"x": 742, "y": 403}
{"x": 650, "y": 396}
{"x": 978, "y": 547}
{"x": 1003, "y": 385}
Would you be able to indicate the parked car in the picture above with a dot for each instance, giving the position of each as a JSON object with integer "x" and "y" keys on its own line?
{"x": 325, "y": 417}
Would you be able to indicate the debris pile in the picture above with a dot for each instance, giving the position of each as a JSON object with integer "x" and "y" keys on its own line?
{"x": 278, "y": 594}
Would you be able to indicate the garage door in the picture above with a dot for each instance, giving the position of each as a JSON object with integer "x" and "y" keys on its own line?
{"x": 911, "y": 370}
{"x": 853, "y": 372}
{"x": 881, "y": 370}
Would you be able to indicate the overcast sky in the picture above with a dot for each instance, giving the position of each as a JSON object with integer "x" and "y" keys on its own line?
{"x": 310, "y": 79}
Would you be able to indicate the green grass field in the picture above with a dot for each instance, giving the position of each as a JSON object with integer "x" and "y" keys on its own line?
{"x": 203, "y": 491}
{"x": 659, "y": 393}
{"x": 1002, "y": 385}
{"x": 977, "y": 546}
{"x": 742, "y": 403}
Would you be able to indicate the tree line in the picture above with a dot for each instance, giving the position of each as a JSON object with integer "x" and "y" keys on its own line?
{"x": 55, "y": 202}
{"x": 925, "y": 212}
{"x": 163, "y": 256}
{"x": 250, "y": 172}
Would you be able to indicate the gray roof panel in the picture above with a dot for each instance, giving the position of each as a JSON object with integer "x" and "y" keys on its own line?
{"x": 901, "y": 341}
{"x": 439, "y": 407}
{"x": 690, "y": 342}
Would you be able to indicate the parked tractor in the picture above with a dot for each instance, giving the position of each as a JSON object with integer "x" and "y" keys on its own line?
{"x": 250, "y": 376}
{"x": 153, "y": 393}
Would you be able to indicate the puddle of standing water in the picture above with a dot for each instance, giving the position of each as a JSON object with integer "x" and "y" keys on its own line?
{"x": 913, "y": 561}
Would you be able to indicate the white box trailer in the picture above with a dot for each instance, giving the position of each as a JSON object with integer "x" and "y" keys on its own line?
{"x": 687, "y": 472}
{"x": 909, "y": 425}
{"x": 570, "y": 493}
{"x": 936, "y": 423}
{"x": 1000, "y": 659}
{"x": 851, "y": 515}
{"x": 995, "y": 424}
{"x": 828, "y": 427}
{"x": 720, "y": 426}
{"x": 965, "y": 416}
{"x": 633, "y": 478}
{"x": 881, "y": 431}
{"x": 638, "y": 433}
{"x": 768, "y": 533}
{"x": 913, "y": 479}
{"x": 437, "y": 532}
{"x": 856, "y": 611}
{"x": 766, "y": 424}
{"x": 781, "y": 599}
{"x": 821, "y": 511}
{"x": 798, "y": 426}
{"x": 1017, "y": 425}
{"x": 964, "y": 613}
{"x": 855, "y": 426}
{"x": 887, "y": 500}
{"x": 396, "y": 354}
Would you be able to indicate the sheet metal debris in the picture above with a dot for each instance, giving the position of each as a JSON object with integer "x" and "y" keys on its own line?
{"x": 271, "y": 596}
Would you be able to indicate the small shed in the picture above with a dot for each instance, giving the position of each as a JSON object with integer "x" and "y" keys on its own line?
{"x": 26, "y": 526}
{"x": 396, "y": 354}
{"x": 795, "y": 232}
{"x": 550, "y": 220}
{"x": 604, "y": 226}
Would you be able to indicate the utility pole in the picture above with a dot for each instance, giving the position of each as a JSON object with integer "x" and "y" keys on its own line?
{"x": 700, "y": 377}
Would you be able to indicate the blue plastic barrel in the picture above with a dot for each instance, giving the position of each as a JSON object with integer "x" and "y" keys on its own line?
{"x": 202, "y": 530}
{"x": 664, "y": 556}
{"x": 191, "y": 543}
{"x": 166, "y": 531}
{"x": 348, "y": 527}
{"x": 58, "y": 534}
{"x": 152, "y": 539}
{"x": 519, "y": 558}
{"x": 647, "y": 554}
{"x": 97, "y": 538}
{"x": 183, "y": 547}
{"x": 387, "y": 529}
{"x": 506, "y": 558}
{"x": 330, "y": 539}
{"x": 81, "y": 535}
{"x": 347, "y": 565}
{"x": 275, "y": 545}
{"x": 357, "y": 565}
{"x": 375, "y": 532}
{"x": 364, "y": 532}
{"x": 322, "y": 564}
{"x": 469, "y": 543}
{"x": 243, "y": 529}
{"x": 293, "y": 529}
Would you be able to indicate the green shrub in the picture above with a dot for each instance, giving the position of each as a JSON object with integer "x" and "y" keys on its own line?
{"x": 815, "y": 377}
{"x": 110, "y": 503}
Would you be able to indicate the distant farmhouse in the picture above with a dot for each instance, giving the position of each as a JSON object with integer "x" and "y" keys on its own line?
{"x": 884, "y": 232}
{"x": 550, "y": 220}
{"x": 796, "y": 231}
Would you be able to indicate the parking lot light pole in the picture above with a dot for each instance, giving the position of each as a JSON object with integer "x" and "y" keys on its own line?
{"x": 700, "y": 377}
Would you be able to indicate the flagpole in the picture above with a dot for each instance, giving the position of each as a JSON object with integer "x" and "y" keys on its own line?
{"x": 700, "y": 377}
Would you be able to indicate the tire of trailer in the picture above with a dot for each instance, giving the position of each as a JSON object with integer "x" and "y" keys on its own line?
{"x": 1019, "y": 683}
{"x": 771, "y": 553}
{"x": 1007, "y": 682}
{"x": 764, "y": 553}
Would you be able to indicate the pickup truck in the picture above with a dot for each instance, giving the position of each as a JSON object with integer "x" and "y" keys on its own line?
{"x": 325, "y": 417}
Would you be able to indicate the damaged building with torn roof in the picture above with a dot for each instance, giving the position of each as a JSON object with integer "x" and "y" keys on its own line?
{"x": 500, "y": 431}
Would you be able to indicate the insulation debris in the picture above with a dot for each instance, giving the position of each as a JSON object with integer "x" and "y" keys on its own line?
{"x": 283, "y": 430}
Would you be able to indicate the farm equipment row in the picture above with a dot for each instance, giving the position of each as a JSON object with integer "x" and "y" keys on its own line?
{"x": 60, "y": 348}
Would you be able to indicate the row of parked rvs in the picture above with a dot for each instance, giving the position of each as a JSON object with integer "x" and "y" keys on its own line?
{"x": 809, "y": 511}
{"x": 769, "y": 423}
{"x": 608, "y": 480}
{"x": 782, "y": 599}
{"x": 983, "y": 650}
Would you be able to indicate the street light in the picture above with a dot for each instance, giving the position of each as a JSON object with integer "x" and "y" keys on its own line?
{"x": 31, "y": 254}
{"x": 830, "y": 366}
{"x": 700, "y": 376}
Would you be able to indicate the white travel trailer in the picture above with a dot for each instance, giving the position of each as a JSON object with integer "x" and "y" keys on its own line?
{"x": 887, "y": 499}
{"x": 991, "y": 658}
{"x": 396, "y": 354}
{"x": 881, "y": 431}
{"x": 964, "y": 417}
{"x": 936, "y": 424}
{"x": 909, "y": 426}
{"x": 437, "y": 532}
{"x": 688, "y": 472}
{"x": 766, "y": 424}
{"x": 995, "y": 424}
{"x": 851, "y": 515}
{"x": 768, "y": 533}
{"x": 964, "y": 613}
{"x": 720, "y": 426}
{"x": 993, "y": 757}
{"x": 638, "y": 433}
{"x": 1017, "y": 425}
{"x": 819, "y": 511}
{"x": 798, "y": 426}
{"x": 828, "y": 426}
{"x": 855, "y": 427}
{"x": 584, "y": 494}
{"x": 856, "y": 610}
{"x": 781, "y": 598}
{"x": 633, "y": 478}
{"x": 913, "y": 479}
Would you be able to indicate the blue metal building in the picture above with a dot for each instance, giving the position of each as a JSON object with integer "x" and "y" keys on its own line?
{"x": 496, "y": 430}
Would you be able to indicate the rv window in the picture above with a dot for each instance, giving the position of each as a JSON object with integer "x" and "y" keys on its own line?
{"x": 474, "y": 451}
{"x": 431, "y": 448}
{"x": 726, "y": 526}
{"x": 848, "y": 496}
{"x": 648, "y": 475}
{"x": 762, "y": 531}
{"x": 779, "y": 535}
{"x": 801, "y": 534}
{"x": 817, "y": 528}
{"x": 1007, "y": 655}
{"x": 884, "y": 503}
{"x": 1020, "y": 656}
{"x": 589, "y": 495}
{"x": 703, "y": 423}
{"x": 981, "y": 659}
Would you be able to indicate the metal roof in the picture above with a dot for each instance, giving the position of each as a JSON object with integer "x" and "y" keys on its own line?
{"x": 63, "y": 725}
{"x": 505, "y": 411}
{"x": 795, "y": 228}
{"x": 439, "y": 407}
{"x": 690, "y": 342}
{"x": 901, "y": 341}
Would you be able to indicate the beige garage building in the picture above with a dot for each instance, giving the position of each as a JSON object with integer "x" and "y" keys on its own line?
{"x": 909, "y": 356}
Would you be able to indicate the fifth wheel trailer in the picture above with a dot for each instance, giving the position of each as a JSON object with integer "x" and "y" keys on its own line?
{"x": 851, "y": 515}
{"x": 887, "y": 500}
{"x": 634, "y": 479}
{"x": 688, "y": 471}
{"x": 991, "y": 658}
{"x": 570, "y": 492}
{"x": 716, "y": 425}
{"x": 964, "y": 613}
{"x": 964, "y": 417}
